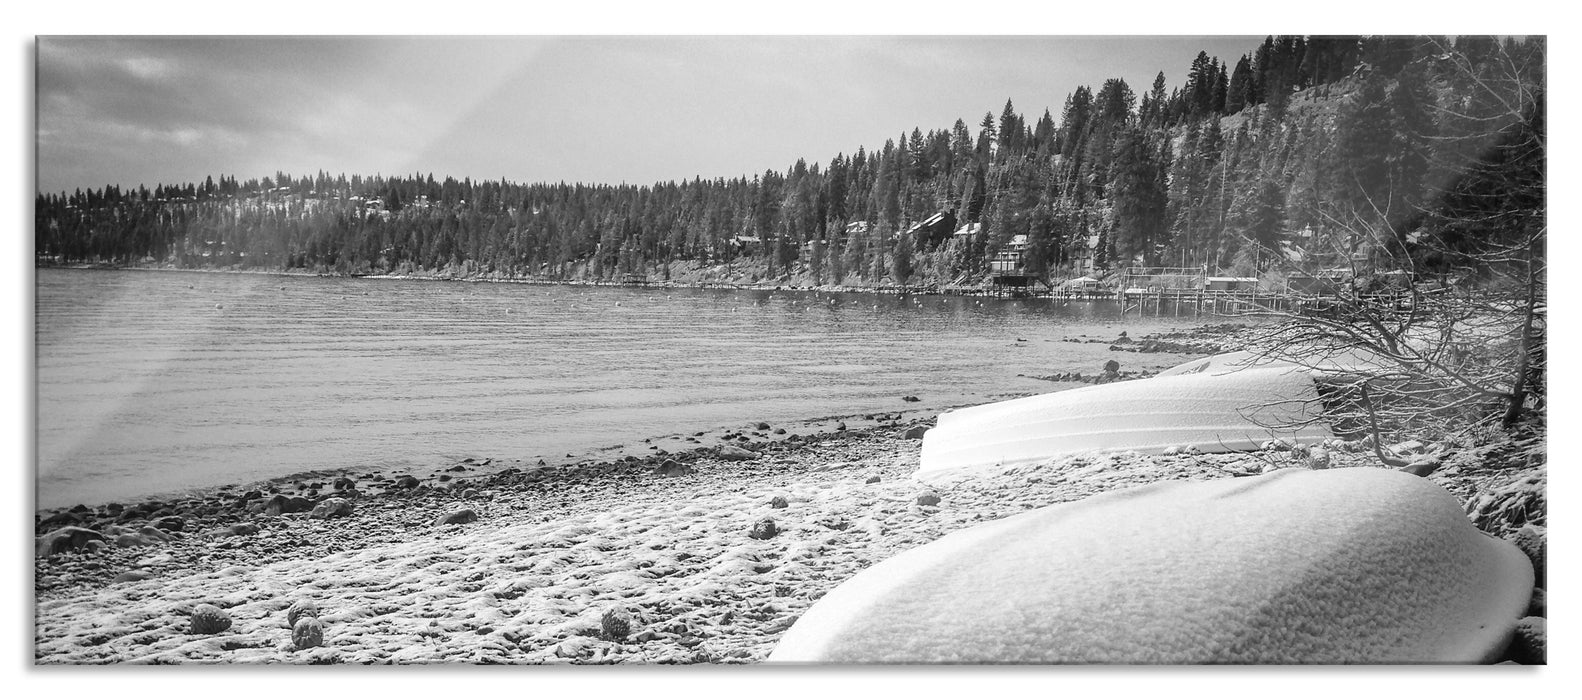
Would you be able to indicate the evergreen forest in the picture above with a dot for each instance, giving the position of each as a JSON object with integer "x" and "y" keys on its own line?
{"x": 1307, "y": 151}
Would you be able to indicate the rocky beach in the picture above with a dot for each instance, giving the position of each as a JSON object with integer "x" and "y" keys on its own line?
{"x": 684, "y": 549}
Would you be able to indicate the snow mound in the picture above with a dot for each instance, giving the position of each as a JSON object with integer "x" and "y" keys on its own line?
{"x": 1356, "y": 565}
{"x": 1212, "y": 412}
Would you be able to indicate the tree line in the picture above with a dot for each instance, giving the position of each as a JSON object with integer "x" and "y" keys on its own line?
{"x": 1369, "y": 144}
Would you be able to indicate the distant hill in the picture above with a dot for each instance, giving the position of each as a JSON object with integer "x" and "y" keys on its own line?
{"x": 1309, "y": 150}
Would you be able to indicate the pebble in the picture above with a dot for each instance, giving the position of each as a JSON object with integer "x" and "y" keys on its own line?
{"x": 671, "y": 467}
{"x": 66, "y": 539}
{"x": 1530, "y": 646}
{"x": 301, "y": 608}
{"x": 764, "y": 529}
{"x": 207, "y": 619}
{"x": 307, "y": 633}
{"x": 616, "y": 623}
{"x": 1531, "y": 539}
{"x": 331, "y": 508}
{"x": 460, "y": 517}
{"x": 132, "y": 575}
{"x": 733, "y": 453}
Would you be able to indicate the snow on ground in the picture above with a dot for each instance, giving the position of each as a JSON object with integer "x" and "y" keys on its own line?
{"x": 530, "y": 581}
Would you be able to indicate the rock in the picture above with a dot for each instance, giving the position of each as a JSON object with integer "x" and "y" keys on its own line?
{"x": 616, "y": 623}
{"x": 1318, "y": 458}
{"x": 409, "y": 482}
{"x": 133, "y": 540}
{"x": 764, "y": 529}
{"x": 779, "y": 502}
{"x": 64, "y": 517}
{"x": 66, "y": 539}
{"x": 303, "y": 607}
{"x": 915, "y": 432}
{"x": 331, "y": 508}
{"x": 1530, "y": 645}
{"x": 1539, "y": 605}
{"x": 132, "y": 575}
{"x": 671, "y": 467}
{"x": 307, "y": 633}
{"x": 1531, "y": 539}
{"x": 154, "y": 534}
{"x": 928, "y": 498}
{"x": 242, "y": 529}
{"x": 575, "y": 646}
{"x": 460, "y": 517}
{"x": 207, "y": 619}
{"x": 280, "y": 504}
{"x": 169, "y": 523}
{"x": 763, "y": 426}
{"x": 345, "y": 484}
{"x": 780, "y": 431}
{"x": 872, "y": 480}
{"x": 840, "y": 426}
{"x": 910, "y": 399}
{"x": 735, "y": 454}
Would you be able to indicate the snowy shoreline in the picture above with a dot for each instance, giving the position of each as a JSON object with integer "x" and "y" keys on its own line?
{"x": 705, "y": 550}
{"x": 679, "y": 554}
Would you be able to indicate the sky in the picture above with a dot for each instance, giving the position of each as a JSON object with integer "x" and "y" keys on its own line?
{"x": 133, "y": 110}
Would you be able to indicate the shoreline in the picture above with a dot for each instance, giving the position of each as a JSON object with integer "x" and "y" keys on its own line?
{"x": 528, "y": 576}
{"x": 704, "y": 548}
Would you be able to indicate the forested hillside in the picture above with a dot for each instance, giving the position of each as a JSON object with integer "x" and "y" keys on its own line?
{"x": 1306, "y": 150}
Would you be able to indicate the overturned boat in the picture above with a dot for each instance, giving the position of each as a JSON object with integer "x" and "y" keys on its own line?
{"x": 1213, "y": 411}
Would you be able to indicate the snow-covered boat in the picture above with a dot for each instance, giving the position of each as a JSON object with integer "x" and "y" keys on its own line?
{"x": 1208, "y": 410}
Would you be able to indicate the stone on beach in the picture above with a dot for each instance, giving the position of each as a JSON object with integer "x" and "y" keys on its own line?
{"x": 763, "y": 529}
{"x": 1530, "y": 645}
{"x": 459, "y": 517}
{"x": 300, "y": 609}
{"x": 1531, "y": 540}
{"x": 280, "y": 504}
{"x": 66, "y": 539}
{"x": 735, "y": 454}
{"x": 1357, "y": 565}
{"x": 331, "y": 508}
{"x": 307, "y": 633}
{"x": 208, "y": 619}
{"x": 616, "y": 623}
{"x": 671, "y": 467}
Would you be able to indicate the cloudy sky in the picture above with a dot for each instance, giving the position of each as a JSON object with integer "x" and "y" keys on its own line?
{"x": 146, "y": 110}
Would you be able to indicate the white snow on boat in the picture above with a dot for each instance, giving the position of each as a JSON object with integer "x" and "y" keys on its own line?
{"x": 1213, "y": 412}
{"x": 1345, "y": 360}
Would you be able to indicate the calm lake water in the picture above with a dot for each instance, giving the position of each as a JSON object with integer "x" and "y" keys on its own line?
{"x": 155, "y": 382}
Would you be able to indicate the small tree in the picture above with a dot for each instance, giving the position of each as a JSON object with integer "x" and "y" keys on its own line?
{"x": 1449, "y": 315}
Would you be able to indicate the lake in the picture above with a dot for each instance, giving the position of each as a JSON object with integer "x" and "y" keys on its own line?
{"x": 153, "y": 382}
